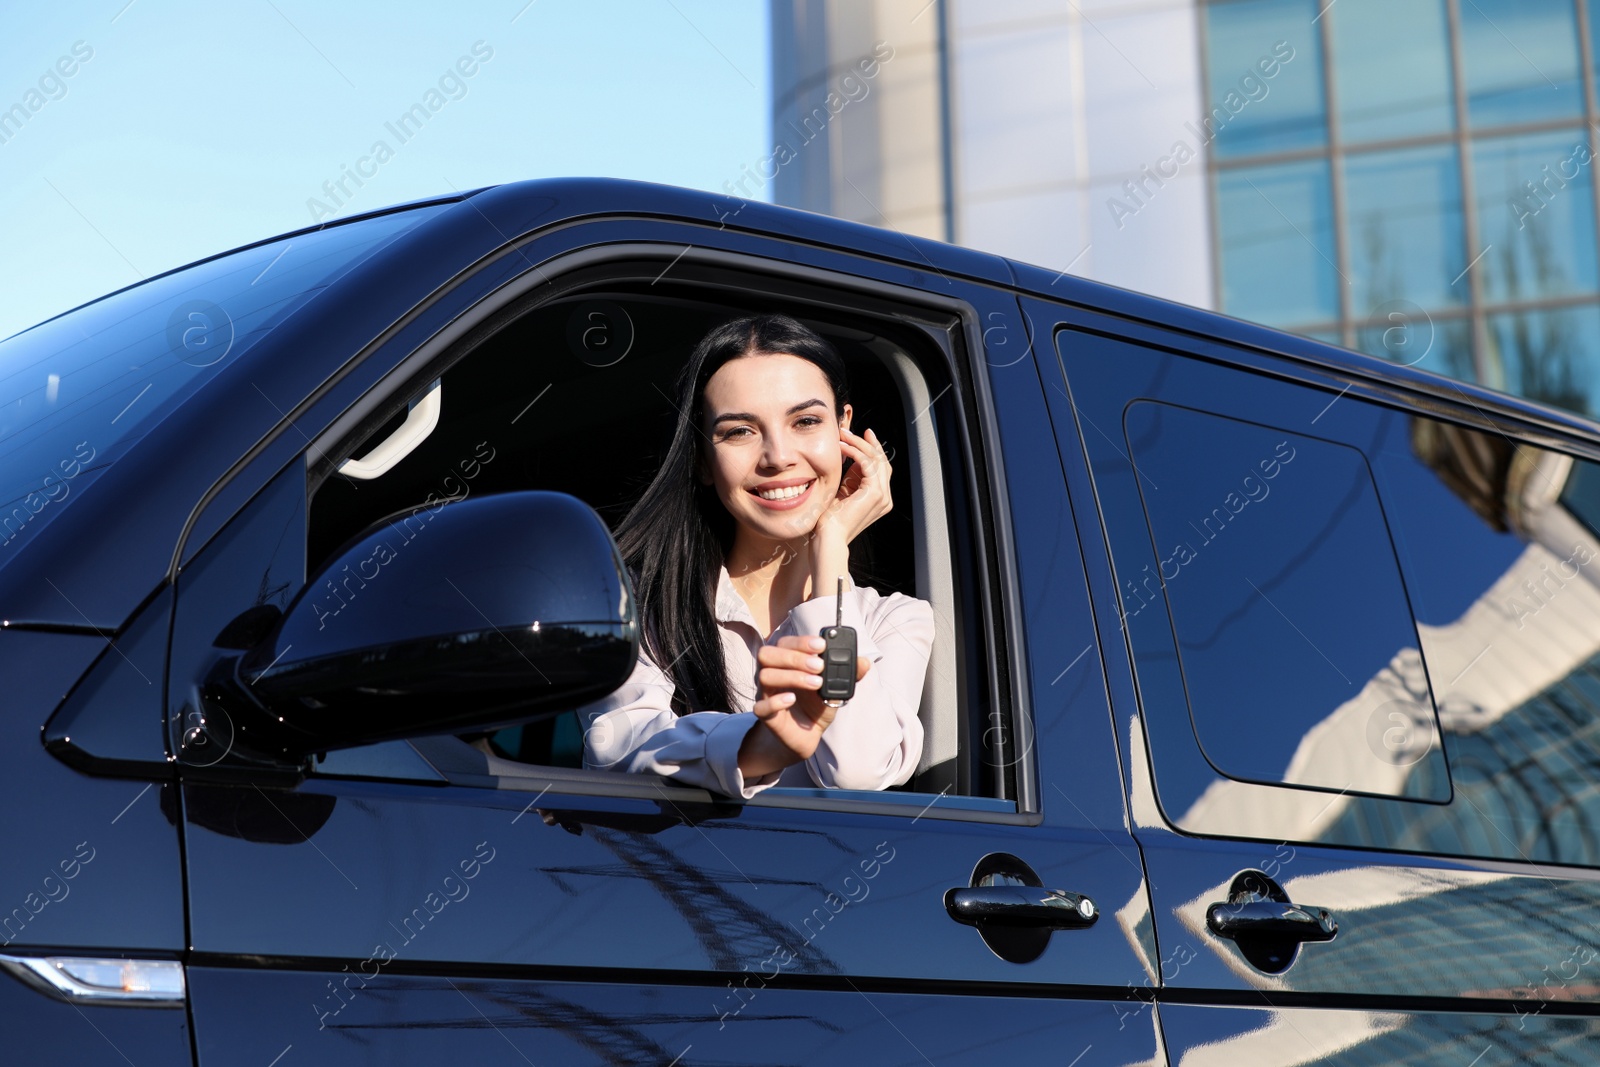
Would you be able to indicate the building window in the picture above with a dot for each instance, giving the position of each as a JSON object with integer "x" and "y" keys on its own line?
{"x": 1413, "y": 181}
{"x": 1277, "y": 243}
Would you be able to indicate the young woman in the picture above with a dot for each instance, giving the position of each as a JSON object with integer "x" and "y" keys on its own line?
{"x": 736, "y": 549}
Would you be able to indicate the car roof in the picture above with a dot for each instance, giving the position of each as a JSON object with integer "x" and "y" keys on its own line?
{"x": 570, "y": 199}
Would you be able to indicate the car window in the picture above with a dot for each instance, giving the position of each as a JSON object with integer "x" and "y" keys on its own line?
{"x": 1293, "y": 629}
{"x": 1501, "y": 566}
{"x": 77, "y": 389}
{"x": 1387, "y": 637}
{"x": 1499, "y": 548}
{"x": 576, "y": 396}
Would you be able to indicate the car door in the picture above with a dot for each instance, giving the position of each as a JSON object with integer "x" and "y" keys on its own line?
{"x": 409, "y": 900}
{"x": 1353, "y": 612}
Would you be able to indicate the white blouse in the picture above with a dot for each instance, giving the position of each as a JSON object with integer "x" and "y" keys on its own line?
{"x": 875, "y": 740}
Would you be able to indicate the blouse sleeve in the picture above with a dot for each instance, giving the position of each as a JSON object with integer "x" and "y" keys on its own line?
{"x": 635, "y": 729}
{"x": 876, "y": 739}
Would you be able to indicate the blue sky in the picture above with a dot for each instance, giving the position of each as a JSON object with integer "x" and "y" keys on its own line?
{"x": 194, "y": 127}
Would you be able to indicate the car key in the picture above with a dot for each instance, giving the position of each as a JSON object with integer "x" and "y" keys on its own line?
{"x": 838, "y": 659}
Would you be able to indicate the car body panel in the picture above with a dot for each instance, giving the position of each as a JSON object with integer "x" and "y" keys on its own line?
{"x": 416, "y": 1020}
{"x": 48, "y": 1032}
{"x": 90, "y": 862}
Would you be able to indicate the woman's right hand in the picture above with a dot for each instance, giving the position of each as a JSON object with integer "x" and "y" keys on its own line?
{"x": 792, "y": 716}
{"x": 863, "y": 495}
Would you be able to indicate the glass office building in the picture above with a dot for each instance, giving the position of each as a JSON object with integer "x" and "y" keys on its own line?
{"x": 1413, "y": 178}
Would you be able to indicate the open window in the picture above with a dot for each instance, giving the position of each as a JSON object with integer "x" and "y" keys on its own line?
{"x": 570, "y": 388}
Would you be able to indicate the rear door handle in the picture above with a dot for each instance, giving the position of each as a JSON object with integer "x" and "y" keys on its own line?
{"x": 1020, "y": 905}
{"x": 1277, "y": 919}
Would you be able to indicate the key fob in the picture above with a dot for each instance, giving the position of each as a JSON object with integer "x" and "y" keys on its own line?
{"x": 839, "y": 658}
{"x": 838, "y": 664}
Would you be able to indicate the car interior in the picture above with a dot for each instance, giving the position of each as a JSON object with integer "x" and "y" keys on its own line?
{"x": 574, "y": 393}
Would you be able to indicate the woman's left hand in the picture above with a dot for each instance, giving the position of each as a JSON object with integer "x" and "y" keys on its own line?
{"x": 863, "y": 496}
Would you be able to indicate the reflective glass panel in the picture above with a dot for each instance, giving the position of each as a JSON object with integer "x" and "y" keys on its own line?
{"x": 1504, "y": 574}
{"x": 1405, "y": 221}
{"x": 1520, "y": 58}
{"x": 1277, "y": 243}
{"x": 1264, "y": 67}
{"x": 1551, "y": 355}
{"x": 1297, "y": 647}
{"x": 1499, "y": 555}
{"x": 1391, "y": 63}
{"x": 1535, "y": 215}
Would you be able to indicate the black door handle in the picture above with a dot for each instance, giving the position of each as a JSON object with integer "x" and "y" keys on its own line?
{"x": 1020, "y": 905}
{"x": 1275, "y": 919}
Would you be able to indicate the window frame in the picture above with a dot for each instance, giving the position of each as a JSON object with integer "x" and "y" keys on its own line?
{"x": 952, "y": 331}
{"x": 1186, "y": 658}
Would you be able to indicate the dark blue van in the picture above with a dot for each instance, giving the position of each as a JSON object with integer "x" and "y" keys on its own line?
{"x": 1262, "y": 726}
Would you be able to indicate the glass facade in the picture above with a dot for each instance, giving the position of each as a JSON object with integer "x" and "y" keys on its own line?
{"x": 1412, "y": 178}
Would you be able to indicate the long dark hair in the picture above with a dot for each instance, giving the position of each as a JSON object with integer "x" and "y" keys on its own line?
{"x": 679, "y": 533}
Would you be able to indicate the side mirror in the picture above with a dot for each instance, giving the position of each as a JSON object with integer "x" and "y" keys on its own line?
{"x": 467, "y": 616}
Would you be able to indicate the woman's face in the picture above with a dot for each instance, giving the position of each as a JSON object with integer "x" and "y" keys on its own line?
{"x": 773, "y": 452}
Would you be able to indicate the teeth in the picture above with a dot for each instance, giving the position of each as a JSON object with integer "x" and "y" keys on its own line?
{"x": 783, "y": 494}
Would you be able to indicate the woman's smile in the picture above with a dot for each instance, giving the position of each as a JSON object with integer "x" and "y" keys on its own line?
{"x": 784, "y": 497}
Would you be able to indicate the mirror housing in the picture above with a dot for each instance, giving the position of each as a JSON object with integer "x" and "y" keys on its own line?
{"x": 466, "y": 616}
